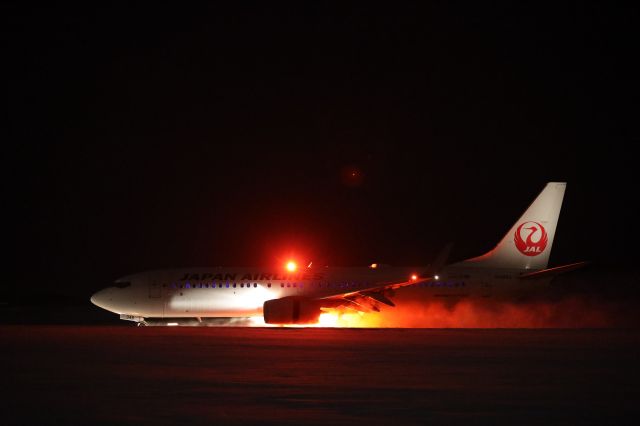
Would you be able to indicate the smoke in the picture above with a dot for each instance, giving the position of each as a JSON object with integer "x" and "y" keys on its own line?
{"x": 570, "y": 312}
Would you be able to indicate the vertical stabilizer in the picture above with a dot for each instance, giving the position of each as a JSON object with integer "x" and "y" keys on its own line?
{"x": 528, "y": 243}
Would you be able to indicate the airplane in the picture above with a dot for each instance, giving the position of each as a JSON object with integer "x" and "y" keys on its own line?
{"x": 298, "y": 295}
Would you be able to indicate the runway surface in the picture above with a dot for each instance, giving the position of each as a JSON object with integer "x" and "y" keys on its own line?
{"x": 154, "y": 375}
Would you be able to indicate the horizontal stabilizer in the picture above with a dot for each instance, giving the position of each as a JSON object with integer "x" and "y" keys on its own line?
{"x": 553, "y": 271}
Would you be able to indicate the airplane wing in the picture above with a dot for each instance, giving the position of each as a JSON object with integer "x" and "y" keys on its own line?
{"x": 368, "y": 299}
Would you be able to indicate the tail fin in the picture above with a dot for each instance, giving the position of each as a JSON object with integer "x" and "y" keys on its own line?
{"x": 528, "y": 243}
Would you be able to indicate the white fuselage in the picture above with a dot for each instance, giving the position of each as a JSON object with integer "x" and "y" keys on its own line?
{"x": 241, "y": 292}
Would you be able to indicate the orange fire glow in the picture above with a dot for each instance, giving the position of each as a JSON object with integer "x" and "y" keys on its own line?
{"x": 338, "y": 318}
{"x": 567, "y": 313}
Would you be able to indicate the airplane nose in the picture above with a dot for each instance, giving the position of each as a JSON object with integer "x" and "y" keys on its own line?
{"x": 100, "y": 298}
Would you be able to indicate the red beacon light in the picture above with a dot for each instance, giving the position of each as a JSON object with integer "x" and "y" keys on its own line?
{"x": 291, "y": 266}
{"x": 414, "y": 277}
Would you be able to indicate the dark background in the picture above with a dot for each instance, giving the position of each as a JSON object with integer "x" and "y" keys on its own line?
{"x": 158, "y": 136}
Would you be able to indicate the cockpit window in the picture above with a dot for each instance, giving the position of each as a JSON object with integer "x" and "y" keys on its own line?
{"x": 122, "y": 284}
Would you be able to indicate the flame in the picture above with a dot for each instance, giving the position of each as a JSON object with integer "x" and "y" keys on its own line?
{"x": 342, "y": 318}
{"x": 567, "y": 313}
{"x": 328, "y": 319}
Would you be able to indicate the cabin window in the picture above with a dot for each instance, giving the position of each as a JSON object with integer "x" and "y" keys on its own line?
{"x": 269, "y": 285}
{"x": 255, "y": 285}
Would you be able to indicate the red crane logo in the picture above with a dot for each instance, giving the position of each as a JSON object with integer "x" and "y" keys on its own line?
{"x": 535, "y": 242}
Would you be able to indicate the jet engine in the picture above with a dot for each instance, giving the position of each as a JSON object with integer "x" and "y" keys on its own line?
{"x": 291, "y": 310}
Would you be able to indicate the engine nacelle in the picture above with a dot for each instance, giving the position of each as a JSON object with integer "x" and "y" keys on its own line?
{"x": 291, "y": 310}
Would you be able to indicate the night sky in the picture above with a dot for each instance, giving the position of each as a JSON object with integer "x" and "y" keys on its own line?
{"x": 162, "y": 136}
